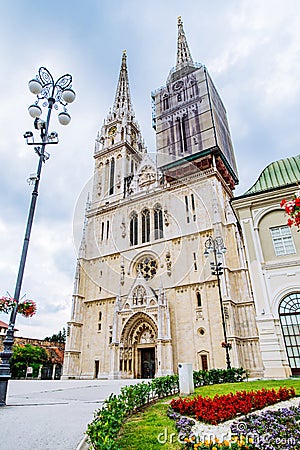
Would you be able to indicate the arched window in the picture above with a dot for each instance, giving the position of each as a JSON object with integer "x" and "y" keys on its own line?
{"x": 158, "y": 222}
{"x": 289, "y": 313}
{"x": 165, "y": 102}
{"x": 112, "y": 176}
{"x": 133, "y": 229}
{"x": 145, "y": 225}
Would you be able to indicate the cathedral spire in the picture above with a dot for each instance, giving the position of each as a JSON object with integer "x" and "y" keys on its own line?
{"x": 183, "y": 52}
{"x": 123, "y": 99}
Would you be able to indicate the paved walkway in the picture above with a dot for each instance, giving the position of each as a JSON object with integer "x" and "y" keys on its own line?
{"x": 51, "y": 415}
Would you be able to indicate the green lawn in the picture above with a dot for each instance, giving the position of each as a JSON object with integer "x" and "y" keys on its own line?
{"x": 142, "y": 430}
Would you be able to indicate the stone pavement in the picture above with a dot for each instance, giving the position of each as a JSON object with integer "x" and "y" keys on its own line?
{"x": 51, "y": 415}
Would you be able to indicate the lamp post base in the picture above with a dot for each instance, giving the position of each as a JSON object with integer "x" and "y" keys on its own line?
{"x": 3, "y": 389}
{"x": 5, "y": 374}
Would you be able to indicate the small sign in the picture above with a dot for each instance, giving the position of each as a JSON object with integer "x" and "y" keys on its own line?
{"x": 29, "y": 371}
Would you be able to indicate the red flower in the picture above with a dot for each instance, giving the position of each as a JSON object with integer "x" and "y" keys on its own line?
{"x": 27, "y": 308}
{"x": 225, "y": 407}
{"x": 292, "y": 208}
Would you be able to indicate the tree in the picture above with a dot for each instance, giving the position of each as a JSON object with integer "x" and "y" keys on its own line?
{"x": 59, "y": 337}
{"x": 27, "y": 356}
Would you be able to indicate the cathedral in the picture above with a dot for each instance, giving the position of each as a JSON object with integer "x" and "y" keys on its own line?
{"x": 145, "y": 295}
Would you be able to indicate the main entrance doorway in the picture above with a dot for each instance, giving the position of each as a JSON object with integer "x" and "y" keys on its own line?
{"x": 147, "y": 362}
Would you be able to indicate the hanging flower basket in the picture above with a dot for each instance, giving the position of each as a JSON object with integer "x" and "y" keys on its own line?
{"x": 6, "y": 304}
{"x": 292, "y": 209}
{"x": 27, "y": 308}
{"x": 226, "y": 345}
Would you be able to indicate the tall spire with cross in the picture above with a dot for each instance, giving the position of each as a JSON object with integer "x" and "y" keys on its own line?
{"x": 123, "y": 100}
{"x": 184, "y": 56}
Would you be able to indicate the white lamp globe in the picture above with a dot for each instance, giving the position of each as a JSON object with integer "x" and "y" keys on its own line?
{"x": 68, "y": 95}
{"x": 35, "y": 87}
{"x": 64, "y": 118}
{"x": 34, "y": 111}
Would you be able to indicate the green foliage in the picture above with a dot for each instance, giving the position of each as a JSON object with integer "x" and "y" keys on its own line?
{"x": 164, "y": 386}
{"x": 59, "y": 337}
{"x": 218, "y": 376}
{"x": 143, "y": 429}
{"x": 104, "y": 429}
{"x": 27, "y": 356}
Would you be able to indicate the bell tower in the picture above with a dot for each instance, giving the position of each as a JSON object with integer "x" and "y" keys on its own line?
{"x": 190, "y": 120}
{"x": 119, "y": 146}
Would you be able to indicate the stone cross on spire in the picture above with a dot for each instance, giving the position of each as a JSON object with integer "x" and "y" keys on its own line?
{"x": 184, "y": 56}
{"x": 122, "y": 99}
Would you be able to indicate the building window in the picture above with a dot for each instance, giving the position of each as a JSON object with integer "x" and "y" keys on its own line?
{"x": 165, "y": 102}
{"x": 199, "y": 301}
{"x": 110, "y": 335}
{"x": 195, "y": 261}
{"x": 158, "y": 222}
{"x": 204, "y": 362}
{"x": 179, "y": 134}
{"x": 145, "y": 225}
{"x": 100, "y": 321}
{"x": 185, "y": 125}
{"x": 187, "y": 208}
{"x": 148, "y": 268}
{"x": 133, "y": 229}
{"x": 107, "y": 229}
{"x": 112, "y": 176}
{"x": 102, "y": 231}
{"x": 193, "y": 207}
{"x": 289, "y": 314}
{"x": 282, "y": 240}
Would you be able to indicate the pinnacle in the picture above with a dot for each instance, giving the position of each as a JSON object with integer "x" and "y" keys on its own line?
{"x": 183, "y": 52}
{"x": 123, "y": 99}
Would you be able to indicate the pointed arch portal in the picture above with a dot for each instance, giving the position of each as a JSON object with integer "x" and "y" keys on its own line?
{"x": 138, "y": 347}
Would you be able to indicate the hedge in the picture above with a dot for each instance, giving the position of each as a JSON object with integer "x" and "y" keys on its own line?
{"x": 103, "y": 430}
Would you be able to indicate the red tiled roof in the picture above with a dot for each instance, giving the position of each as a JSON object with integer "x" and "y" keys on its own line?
{"x": 5, "y": 325}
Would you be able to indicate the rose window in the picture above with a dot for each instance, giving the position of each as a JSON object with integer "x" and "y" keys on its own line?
{"x": 147, "y": 267}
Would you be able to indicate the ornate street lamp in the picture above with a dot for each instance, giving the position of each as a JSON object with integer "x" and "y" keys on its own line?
{"x": 51, "y": 94}
{"x": 217, "y": 247}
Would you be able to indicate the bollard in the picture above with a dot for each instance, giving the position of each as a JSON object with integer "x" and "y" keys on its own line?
{"x": 186, "y": 382}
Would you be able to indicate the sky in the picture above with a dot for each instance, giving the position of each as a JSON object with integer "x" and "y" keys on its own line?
{"x": 251, "y": 49}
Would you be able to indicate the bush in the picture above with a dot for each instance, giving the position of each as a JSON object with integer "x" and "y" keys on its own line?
{"x": 104, "y": 429}
{"x": 25, "y": 356}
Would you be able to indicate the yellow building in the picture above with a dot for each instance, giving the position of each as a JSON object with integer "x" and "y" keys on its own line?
{"x": 145, "y": 297}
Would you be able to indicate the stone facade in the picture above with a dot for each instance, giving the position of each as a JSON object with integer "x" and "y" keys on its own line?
{"x": 144, "y": 297}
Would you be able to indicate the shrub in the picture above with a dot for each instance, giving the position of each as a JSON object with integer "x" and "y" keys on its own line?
{"x": 104, "y": 428}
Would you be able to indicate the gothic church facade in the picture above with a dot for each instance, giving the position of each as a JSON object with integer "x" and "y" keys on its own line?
{"x": 145, "y": 298}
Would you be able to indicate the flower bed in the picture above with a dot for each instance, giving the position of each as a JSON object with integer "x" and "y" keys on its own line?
{"x": 103, "y": 430}
{"x": 224, "y": 407}
{"x": 271, "y": 430}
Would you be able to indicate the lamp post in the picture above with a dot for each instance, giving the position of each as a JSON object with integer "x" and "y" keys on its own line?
{"x": 217, "y": 247}
{"x": 51, "y": 94}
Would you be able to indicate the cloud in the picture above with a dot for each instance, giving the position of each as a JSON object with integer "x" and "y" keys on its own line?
{"x": 250, "y": 49}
